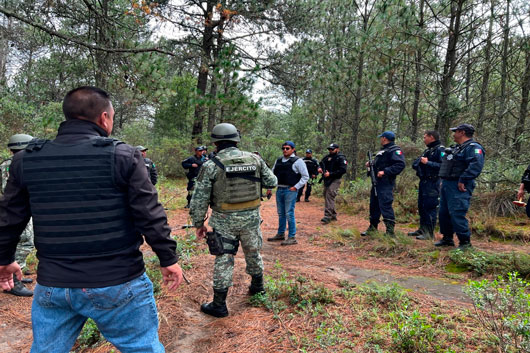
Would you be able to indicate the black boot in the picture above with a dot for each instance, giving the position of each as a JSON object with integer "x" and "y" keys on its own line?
{"x": 372, "y": 228}
{"x": 389, "y": 224}
{"x": 217, "y": 307}
{"x": 428, "y": 233}
{"x": 19, "y": 289}
{"x": 447, "y": 240}
{"x": 256, "y": 285}
{"x": 416, "y": 233}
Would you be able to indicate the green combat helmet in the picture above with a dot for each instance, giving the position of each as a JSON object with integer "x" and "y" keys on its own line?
{"x": 225, "y": 132}
{"x": 19, "y": 141}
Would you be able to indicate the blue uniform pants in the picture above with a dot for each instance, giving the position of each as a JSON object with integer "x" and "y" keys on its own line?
{"x": 428, "y": 200}
{"x": 454, "y": 205}
{"x": 382, "y": 204}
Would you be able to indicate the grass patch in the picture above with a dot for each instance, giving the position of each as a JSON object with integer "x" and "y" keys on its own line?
{"x": 481, "y": 262}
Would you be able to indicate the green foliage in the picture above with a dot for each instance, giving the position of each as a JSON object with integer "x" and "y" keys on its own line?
{"x": 502, "y": 307}
{"x": 411, "y": 332}
{"x": 90, "y": 335}
{"x": 283, "y": 289}
{"x": 386, "y": 295}
{"x": 481, "y": 262}
{"x": 152, "y": 269}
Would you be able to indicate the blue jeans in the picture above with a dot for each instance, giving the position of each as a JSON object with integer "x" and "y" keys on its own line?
{"x": 125, "y": 314}
{"x": 285, "y": 202}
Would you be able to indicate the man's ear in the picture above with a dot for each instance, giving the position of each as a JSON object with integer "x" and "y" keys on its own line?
{"x": 103, "y": 121}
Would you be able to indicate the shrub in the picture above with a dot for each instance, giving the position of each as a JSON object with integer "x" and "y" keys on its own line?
{"x": 411, "y": 332}
{"x": 503, "y": 308}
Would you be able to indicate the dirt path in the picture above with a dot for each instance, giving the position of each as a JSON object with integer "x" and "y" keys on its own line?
{"x": 185, "y": 329}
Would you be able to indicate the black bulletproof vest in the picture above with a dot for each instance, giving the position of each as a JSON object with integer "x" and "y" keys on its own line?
{"x": 76, "y": 207}
{"x": 285, "y": 173}
{"x": 431, "y": 154}
{"x": 383, "y": 160}
{"x": 453, "y": 166}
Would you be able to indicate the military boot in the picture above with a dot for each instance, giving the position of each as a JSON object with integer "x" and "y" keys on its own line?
{"x": 428, "y": 233}
{"x": 19, "y": 289}
{"x": 372, "y": 228}
{"x": 447, "y": 240}
{"x": 256, "y": 285}
{"x": 217, "y": 307}
{"x": 416, "y": 233}
{"x": 389, "y": 224}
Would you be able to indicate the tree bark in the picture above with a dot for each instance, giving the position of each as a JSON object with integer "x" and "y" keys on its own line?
{"x": 504, "y": 72}
{"x": 418, "y": 74}
{"x": 487, "y": 70}
{"x": 443, "y": 118}
{"x": 202, "y": 80}
{"x": 523, "y": 108}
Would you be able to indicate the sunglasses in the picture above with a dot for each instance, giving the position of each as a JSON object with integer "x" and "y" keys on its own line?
{"x": 286, "y": 148}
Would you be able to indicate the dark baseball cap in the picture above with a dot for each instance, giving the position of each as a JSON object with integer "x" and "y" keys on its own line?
{"x": 289, "y": 143}
{"x": 388, "y": 135}
{"x": 199, "y": 148}
{"x": 309, "y": 150}
{"x": 464, "y": 127}
{"x": 333, "y": 146}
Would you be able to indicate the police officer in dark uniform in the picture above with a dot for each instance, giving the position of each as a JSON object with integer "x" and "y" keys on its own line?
{"x": 151, "y": 168}
{"x": 427, "y": 167}
{"x": 333, "y": 167}
{"x": 193, "y": 164}
{"x": 461, "y": 165}
{"x": 388, "y": 163}
{"x": 312, "y": 168}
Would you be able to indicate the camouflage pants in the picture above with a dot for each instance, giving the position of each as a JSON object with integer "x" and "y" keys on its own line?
{"x": 243, "y": 227}
{"x": 25, "y": 246}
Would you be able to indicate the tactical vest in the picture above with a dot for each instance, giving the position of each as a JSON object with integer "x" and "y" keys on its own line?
{"x": 453, "y": 166}
{"x": 285, "y": 173}
{"x": 311, "y": 165}
{"x": 381, "y": 158}
{"x": 426, "y": 171}
{"x": 77, "y": 208}
{"x": 237, "y": 187}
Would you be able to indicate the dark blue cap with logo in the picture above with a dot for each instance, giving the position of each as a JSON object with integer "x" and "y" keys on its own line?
{"x": 199, "y": 148}
{"x": 309, "y": 150}
{"x": 333, "y": 146}
{"x": 388, "y": 135}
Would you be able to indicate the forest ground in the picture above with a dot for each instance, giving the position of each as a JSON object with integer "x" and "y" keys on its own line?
{"x": 340, "y": 295}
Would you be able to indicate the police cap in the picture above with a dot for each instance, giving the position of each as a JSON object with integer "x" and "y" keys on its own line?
{"x": 468, "y": 128}
{"x": 333, "y": 146}
{"x": 309, "y": 150}
{"x": 19, "y": 141}
{"x": 141, "y": 148}
{"x": 389, "y": 135}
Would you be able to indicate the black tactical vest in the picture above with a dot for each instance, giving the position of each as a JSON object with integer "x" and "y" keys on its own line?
{"x": 285, "y": 173}
{"x": 452, "y": 166}
{"x": 76, "y": 207}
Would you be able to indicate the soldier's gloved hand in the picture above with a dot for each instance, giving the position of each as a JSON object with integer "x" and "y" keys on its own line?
{"x": 201, "y": 232}
{"x": 6, "y": 275}
{"x": 172, "y": 276}
{"x": 461, "y": 187}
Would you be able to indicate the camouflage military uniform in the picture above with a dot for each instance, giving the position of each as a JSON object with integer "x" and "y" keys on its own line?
{"x": 239, "y": 226}
{"x": 25, "y": 246}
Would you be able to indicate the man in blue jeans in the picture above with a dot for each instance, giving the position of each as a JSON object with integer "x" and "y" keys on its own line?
{"x": 91, "y": 201}
{"x": 292, "y": 175}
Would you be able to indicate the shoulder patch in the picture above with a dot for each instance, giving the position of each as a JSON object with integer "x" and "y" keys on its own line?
{"x": 399, "y": 153}
{"x": 478, "y": 151}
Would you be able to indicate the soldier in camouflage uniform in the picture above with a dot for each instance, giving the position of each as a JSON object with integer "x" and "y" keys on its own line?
{"x": 16, "y": 144}
{"x": 230, "y": 183}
